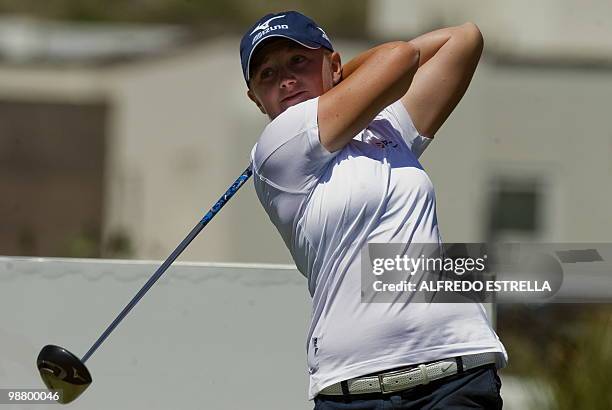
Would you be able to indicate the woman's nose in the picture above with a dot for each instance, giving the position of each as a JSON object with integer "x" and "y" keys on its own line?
{"x": 286, "y": 78}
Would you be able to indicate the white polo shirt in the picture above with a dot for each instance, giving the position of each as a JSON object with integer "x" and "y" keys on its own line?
{"x": 327, "y": 207}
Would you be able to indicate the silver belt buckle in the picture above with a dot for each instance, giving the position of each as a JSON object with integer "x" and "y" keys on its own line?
{"x": 392, "y": 389}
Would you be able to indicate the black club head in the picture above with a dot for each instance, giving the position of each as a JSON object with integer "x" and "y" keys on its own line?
{"x": 61, "y": 370}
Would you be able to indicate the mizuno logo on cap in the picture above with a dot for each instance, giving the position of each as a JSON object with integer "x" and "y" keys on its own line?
{"x": 265, "y": 24}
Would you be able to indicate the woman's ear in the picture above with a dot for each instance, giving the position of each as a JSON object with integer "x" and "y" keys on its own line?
{"x": 336, "y": 65}
{"x": 253, "y": 98}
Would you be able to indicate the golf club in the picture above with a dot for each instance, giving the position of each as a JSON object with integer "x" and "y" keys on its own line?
{"x": 62, "y": 370}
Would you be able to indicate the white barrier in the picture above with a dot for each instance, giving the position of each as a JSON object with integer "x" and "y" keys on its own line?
{"x": 206, "y": 336}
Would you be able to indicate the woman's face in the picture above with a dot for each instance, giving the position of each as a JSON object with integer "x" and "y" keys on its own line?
{"x": 285, "y": 73}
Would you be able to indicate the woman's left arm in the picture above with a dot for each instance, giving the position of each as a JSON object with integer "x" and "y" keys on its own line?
{"x": 448, "y": 59}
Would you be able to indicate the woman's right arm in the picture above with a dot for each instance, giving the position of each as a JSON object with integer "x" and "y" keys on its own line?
{"x": 370, "y": 82}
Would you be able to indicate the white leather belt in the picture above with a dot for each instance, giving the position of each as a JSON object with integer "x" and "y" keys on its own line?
{"x": 393, "y": 381}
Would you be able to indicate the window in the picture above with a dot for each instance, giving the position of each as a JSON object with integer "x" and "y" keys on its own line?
{"x": 514, "y": 208}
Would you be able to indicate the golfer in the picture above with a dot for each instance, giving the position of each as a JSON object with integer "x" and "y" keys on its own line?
{"x": 337, "y": 168}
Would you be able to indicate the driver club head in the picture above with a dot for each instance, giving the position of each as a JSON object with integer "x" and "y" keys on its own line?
{"x": 62, "y": 370}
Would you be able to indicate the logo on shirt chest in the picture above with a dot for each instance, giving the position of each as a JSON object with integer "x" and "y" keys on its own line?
{"x": 384, "y": 143}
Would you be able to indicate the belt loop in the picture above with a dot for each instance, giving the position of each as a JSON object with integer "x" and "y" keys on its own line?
{"x": 424, "y": 375}
{"x": 344, "y": 386}
{"x": 459, "y": 361}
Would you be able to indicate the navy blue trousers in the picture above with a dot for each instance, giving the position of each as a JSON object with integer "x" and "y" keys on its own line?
{"x": 473, "y": 389}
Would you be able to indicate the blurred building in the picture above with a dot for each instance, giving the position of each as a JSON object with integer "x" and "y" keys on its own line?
{"x": 119, "y": 138}
{"x": 124, "y": 136}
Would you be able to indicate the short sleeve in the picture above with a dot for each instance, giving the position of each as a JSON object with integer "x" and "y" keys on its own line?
{"x": 289, "y": 154}
{"x": 399, "y": 117}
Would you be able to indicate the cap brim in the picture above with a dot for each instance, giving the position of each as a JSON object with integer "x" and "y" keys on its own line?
{"x": 261, "y": 40}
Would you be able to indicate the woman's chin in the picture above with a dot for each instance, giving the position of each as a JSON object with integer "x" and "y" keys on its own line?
{"x": 290, "y": 102}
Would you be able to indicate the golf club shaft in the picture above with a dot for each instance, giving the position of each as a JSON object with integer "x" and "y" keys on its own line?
{"x": 179, "y": 249}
